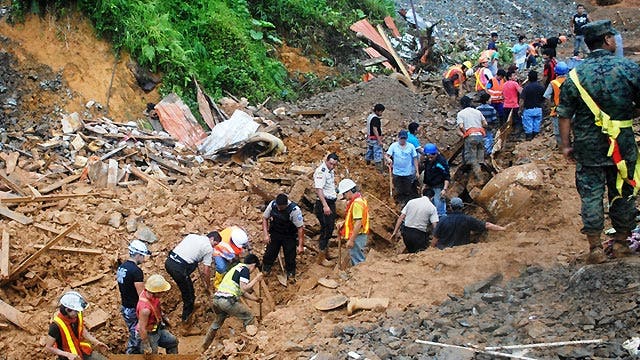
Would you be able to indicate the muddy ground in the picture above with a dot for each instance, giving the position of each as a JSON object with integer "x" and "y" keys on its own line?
{"x": 52, "y": 67}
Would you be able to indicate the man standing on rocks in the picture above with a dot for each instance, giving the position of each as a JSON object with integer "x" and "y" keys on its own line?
{"x": 604, "y": 145}
{"x": 374, "y": 137}
{"x": 578, "y": 21}
{"x": 414, "y": 220}
{"x": 471, "y": 126}
{"x": 436, "y": 177}
{"x": 282, "y": 223}
{"x": 532, "y": 98}
{"x": 131, "y": 284}
{"x": 402, "y": 158}
{"x": 553, "y": 93}
{"x": 455, "y": 229}
{"x": 356, "y": 223}
{"x": 483, "y": 74}
{"x": 454, "y": 77}
{"x": 152, "y": 327}
{"x": 511, "y": 91}
{"x": 493, "y": 42}
{"x": 325, "y": 207}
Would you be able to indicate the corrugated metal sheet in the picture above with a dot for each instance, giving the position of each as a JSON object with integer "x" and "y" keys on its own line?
{"x": 373, "y": 53}
{"x": 177, "y": 120}
{"x": 365, "y": 28}
{"x": 392, "y": 26}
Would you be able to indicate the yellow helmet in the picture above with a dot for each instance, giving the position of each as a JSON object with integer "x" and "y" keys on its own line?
{"x": 467, "y": 64}
{"x": 156, "y": 283}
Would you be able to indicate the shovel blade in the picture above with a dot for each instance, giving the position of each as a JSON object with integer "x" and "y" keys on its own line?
{"x": 282, "y": 279}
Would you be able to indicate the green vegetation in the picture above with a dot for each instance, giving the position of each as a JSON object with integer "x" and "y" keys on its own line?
{"x": 224, "y": 44}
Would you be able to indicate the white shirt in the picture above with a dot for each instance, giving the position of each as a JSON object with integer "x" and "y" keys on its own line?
{"x": 470, "y": 118}
{"x": 419, "y": 213}
{"x": 324, "y": 179}
{"x": 295, "y": 216}
{"x": 195, "y": 248}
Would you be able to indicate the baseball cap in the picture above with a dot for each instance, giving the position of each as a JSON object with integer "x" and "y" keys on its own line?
{"x": 403, "y": 134}
{"x": 456, "y": 202}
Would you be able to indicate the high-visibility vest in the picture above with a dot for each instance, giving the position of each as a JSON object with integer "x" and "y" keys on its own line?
{"x": 229, "y": 286}
{"x": 474, "y": 130}
{"x": 555, "y": 85}
{"x": 72, "y": 342}
{"x": 612, "y": 129}
{"x": 496, "y": 90}
{"x": 226, "y": 248}
{"x": 481, "y": 80}
{"x": 532, "y": 50}
{"x": 347, "y": 229}
{"x": 455, "y": 70}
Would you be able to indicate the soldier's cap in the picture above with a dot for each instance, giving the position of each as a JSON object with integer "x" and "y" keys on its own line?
{"x": 598, "y": 28}
{"x": 456, "y": 203}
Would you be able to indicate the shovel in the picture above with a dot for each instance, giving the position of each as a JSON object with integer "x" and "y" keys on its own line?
{"x": 282, "y": 279}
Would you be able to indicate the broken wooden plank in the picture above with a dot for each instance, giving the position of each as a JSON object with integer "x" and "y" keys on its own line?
{"x": 15, "y": 316}
{"x": 153, "y": 357}
{"x": 112, "y": 152}
{"x": 52, "y": 229}
{"x": 96, "y": 319}
{"x": 79, "y": 250}
{"x": 58, "y": 184}
{"x": 11, "y": 185}
{"x": 25, "y": 264}
{"x": 43, "y": 198}
{"x": 4, "y": 255}
{"x": 389, "y": 47}
{"x": 86, "y": 281}
{"x": 374, "y": 61}
{"x": 167, "y": 164}
{"x": 21, "y": 218}
{"x": 146, "y": 178}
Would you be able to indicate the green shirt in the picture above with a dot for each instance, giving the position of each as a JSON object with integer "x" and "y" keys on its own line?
{"x": 614, "y": 84}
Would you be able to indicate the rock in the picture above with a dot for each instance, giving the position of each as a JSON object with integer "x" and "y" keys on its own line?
{"x": 493, "y": 297}
{"x": 115, "y": 219}
{"x": 71, "y": 123}
{"x": 291, "y": 346}
{"x": 537, "y": 329}
{"x": 145, "y": 234}
{"x": 383, "y": 352}
{"x": 482, "y": 285}
{"x": 487, "y": 326}
{"x": 323, "y": 356}
{"x": 65, "y": 217}
{"x": 131, "y": 224}
{"x": 397, "y": 331}
{"x": 160, "y": 211}
{"x": 455, "y": 354}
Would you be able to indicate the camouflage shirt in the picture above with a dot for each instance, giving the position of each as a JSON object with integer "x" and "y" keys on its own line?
{"x": 614, "y": 84}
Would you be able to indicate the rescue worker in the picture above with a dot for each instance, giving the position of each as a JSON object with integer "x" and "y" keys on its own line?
{"x": 356, "y": 223}
{"x": 549, "y": 69}
{"x": 483, "y": 74}
{"x": 495, "y": 91}
{"x": 553, "y": 93}
{"x": 152, "y": 323}
{"x": 553, "y": 42}
{"x": 325, "y": 207}
{"x": 130, "y": 280}
{"x": 236, "y": 283}
{"x": 492, "y": 56}
{"x": 471, "y": 126}
{"x": 374, "y": 137}
{"x": 454, "y": 77}
{"x": 68, "y": 337}
{"x": 601, "y": 96}
{"x": 183, "y": 260}
{"x": 436, "y": 177}
{"x": 282, "y": 223}
{"x": 414, "y": 220}
{"x": 233, "y": 241}
{"x": 402, "y": 159}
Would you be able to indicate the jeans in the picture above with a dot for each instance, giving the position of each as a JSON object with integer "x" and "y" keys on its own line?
{"x": 327, "y": 222}
{"x": 164, "y": 339}
{"x": 531, "y": 119}
{"x": 374, "y": 151}
{"x": 230, "y": 306}
{"x": 181, "y": 274}
{"x": 131, "y": 319}
{"x": 578, "y": 44}
{"x": 439, "y": 202}
{"x": 556, "y": 130}
{"x": 357, "y": 251}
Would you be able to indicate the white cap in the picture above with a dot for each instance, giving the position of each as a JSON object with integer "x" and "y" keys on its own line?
{"x": 74, "y": 301}
{"x": 345, "y": 185}
{"x": 239, "y": 237}
{"x": 138, "y": 247}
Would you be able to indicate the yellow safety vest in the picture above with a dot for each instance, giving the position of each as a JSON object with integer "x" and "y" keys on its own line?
{"x": 348, "y": 222}
{"x": 228, "y": 285}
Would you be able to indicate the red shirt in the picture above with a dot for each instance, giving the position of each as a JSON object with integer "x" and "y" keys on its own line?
{"x": 510, "y": 92}
{"x": 151, "y": 303}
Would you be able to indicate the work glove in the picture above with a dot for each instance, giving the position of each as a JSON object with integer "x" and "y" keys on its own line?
{"x": 146, "y": 348}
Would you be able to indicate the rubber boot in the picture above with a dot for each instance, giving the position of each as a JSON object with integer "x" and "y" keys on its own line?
{"x": 380, "y": 167}
{"x": 208, "y": 339}
{"x": 596, "y": 251}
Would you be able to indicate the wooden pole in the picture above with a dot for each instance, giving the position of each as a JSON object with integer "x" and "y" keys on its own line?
{"x": 511, "y": 356}
{"x": 542, "y": 345}
{"x": 383, "y": 203}
{"x": 260, "y": 302}
{"x": 4, "y": 255}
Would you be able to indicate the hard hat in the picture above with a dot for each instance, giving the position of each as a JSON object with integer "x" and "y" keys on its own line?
{"x": 138, "y": 247}
{"x": 430, "y": 149}
{"x": 482, "y": 60}
{"x": 562, "y": 68}
{"x": 74, "y": 301}
{"x": 467, "y": 64}
{"x": 239, "y": 237}
{"x": 345, "y": 185}
{"x": 562, "y": 38}
{"x": 156, "y": 283}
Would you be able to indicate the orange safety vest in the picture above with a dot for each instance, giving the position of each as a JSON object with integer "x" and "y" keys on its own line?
{"x": 555, "y": 85}
{"x": 496, "y": 90}
{"x": 226, "y": 248}
{"x": 481, "y": 80}
{"x": 347, "y": 229}
{"x": 532, "y": 50}
{"x": 72, "y": 342}
{"x": 475, "y": 130}
{"x": 455, "y": 70}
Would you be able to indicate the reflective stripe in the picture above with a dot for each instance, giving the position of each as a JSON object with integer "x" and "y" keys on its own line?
{"x": 228, "y": 285}
{"x": 480, "y": 85}
{"x": 348, "y": 223}
{"x": 612, "y": 129}
{"x": 496, "y": 90}
{"x": 456, "y": 69}
{"x": 555, "y": 85}
{"x": 75, "y": 346}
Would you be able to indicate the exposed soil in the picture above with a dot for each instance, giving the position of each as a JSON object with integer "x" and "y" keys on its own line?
{"x": 52, "y": 67}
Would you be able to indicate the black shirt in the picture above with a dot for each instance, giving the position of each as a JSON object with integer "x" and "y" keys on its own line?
{"x": 578, "y": 22}
{"x": 243, "y": 273}
{"x": 128, "y": 274}
{"x": 552, "y": 43}
{"x": 436, "y": 172}
{"x": 54, "y": 332}
{"x": 375, "y": 123}
{"x": 455, "y": 229}
{"x": 532, "y": 95}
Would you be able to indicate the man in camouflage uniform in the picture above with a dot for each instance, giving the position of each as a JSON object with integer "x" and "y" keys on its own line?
{"x": 614, "y": 84}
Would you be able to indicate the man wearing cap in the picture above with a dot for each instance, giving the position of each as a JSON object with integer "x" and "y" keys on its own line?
{"x": 402, "y": 158}
{"x": 414, "y": 221}
{"x": 131, "y": 283}
{"x": 454, "y": 77}
{"x": 184, "y": 259}
{"x": 471, "y": 124}
{"x": 374, "y": 137}
{"x": 553, "y": 94}
{"x": 237, "y": 283}
{"x": 325, "y": 207}
{"x": 152, "y": 324}
{"x": 356, "y": 222}
{"x": 609, "y": 86}
{"x": 282, "y": 223}
{"x": 436, "y": 177}
{"x": 455, "y": 229}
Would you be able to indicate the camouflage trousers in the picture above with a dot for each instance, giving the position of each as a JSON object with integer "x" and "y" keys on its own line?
{"x": 591, "y": 182}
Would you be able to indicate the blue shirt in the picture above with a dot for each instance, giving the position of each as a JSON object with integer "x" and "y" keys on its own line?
{"x": 413, "y": 140}
{"x": 403, "y": 159}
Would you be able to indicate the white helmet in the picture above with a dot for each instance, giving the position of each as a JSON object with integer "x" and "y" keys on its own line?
{"x": 345, "y": 185}
{"x": 74, "y": 301}
{"x": 239, "y": 237}
{"x": 138, "y": 247}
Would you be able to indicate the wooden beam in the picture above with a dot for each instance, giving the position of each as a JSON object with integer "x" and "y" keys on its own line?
{"x": 393, "y": 52}
{"x": 373, "y": 61}
{"x": 86, "y": 281}
{"x": 167, "y": 164}
{"x": 52, "y": 229}
{"x": 15, "y": 316}
{"x": 11, "y": 185}
{"x": 25, "y": 264}
{"x": 21, "y": 218}
{"x": 145, "y": 177}
{"x": 311, "y": 112}
{"x": 58, "y": 184}
{"x": 96, "y": 318}
{"x": 72, "y": 249}
{"x": 153, "y": 357}
{"x": 4, "y": 255}
{"x": 29, "y": 199}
